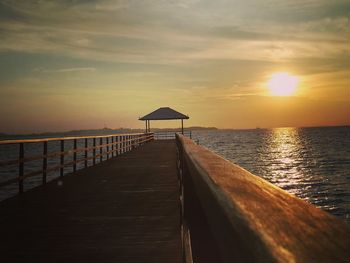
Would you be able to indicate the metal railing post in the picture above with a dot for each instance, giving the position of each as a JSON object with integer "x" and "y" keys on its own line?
{"x": 112, "y": 139}
{"x": 86, "y": 153}
{"x": 101, "y": 156}
{"x": 126, "y": 143}
{"x": 117, "y": 145}
{"x": 107, "y": 147}
{"x": 44, "y": 162}
{"x": 123, "y": 144}
{"x": 94, "y": 152}
{"x": 62, "y": 159}
{"x": 75, "y": 156}
{"x": 21, "y": 168}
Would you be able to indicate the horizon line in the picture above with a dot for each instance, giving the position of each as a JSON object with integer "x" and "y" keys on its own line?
{"x": 193, "y": 127}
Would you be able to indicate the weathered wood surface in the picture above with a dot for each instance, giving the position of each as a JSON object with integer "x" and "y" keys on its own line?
{"x": 123, "y": 210}
{"x": 235, "y": 216}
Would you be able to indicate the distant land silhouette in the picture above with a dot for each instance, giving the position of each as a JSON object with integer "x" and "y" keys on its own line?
{"x": 92, "y": 132}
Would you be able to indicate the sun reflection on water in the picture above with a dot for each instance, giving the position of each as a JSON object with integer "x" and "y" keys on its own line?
{"x": 293, "y": 162}
{"x": 284, "y": 146}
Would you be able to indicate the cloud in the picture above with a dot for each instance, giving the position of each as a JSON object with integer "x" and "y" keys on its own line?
{"x": 65, "y": 70}
{"x": 187, "y": 34}
{"x": 163, "y": 32}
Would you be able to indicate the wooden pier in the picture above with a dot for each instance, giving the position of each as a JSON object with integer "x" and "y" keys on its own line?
{"x": 159, "y": 201}
{"x": 126, "y": 209}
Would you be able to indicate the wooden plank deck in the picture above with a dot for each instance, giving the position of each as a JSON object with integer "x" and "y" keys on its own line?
{"x": 126, "y": 209}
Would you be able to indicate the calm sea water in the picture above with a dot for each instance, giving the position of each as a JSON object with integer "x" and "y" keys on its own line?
{"x": 311, "y": 163}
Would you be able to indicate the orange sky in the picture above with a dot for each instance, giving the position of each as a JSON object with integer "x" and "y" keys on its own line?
{"x": 88, "y": 64}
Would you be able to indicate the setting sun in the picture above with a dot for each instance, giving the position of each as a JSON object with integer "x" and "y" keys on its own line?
{"x": 282, "y": 84}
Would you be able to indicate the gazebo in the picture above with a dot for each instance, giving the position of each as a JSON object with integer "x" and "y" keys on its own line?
{"x": 164, "y": 113}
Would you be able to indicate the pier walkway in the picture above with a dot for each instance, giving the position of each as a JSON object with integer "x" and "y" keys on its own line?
{"x": 126, "y": 209}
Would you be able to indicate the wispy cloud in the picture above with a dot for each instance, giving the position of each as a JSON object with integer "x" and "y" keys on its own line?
{"x": 163, "y": 32}
{"x": 65, "y": 70}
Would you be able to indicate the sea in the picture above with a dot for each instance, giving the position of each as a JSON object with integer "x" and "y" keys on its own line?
{"x": 311, "y": 163}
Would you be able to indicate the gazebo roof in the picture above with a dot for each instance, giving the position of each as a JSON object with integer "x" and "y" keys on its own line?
{"x": 164, "y": 113}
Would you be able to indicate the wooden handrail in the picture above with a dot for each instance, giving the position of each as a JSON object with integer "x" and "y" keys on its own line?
{"x": 54, "y": 154}
{"x": 235, "y": 216}
{"x": 125, "y": 143}
{"x": 64, "y": 138}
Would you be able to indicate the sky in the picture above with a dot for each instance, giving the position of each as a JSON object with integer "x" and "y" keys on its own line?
{"x": 75, "y": 64}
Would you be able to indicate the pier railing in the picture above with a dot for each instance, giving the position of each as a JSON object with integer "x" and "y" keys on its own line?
{"x": 94, "y": 149}
{"x": 168, "y": 135}
{"x": 231, "y": 215}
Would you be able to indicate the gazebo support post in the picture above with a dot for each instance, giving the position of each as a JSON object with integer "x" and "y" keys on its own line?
{"x": 149, "y": 125}
{"x": 146, "y": 126}
{"x": 182, "y": 126}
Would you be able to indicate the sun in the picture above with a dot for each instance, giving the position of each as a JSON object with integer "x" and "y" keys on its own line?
{"x": 282, "y": 84}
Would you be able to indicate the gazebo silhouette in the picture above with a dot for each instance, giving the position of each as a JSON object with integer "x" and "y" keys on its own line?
{"x": 164, "y": 113}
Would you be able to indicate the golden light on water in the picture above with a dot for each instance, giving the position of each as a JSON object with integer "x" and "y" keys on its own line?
{"x": 285, "y": 150}
{"x": 282, "y": 84}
